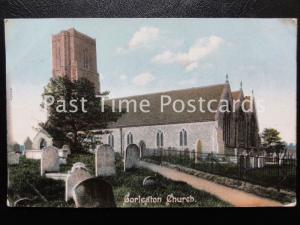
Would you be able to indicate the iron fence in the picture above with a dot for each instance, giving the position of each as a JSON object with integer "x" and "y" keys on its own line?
{"x": 277, "y": 171}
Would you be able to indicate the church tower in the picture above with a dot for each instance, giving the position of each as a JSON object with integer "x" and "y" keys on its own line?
{"x": 74, "y": 56}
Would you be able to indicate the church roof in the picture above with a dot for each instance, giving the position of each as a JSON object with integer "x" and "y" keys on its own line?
{"x": 169, "y": 115}
{"x": 236, "y": 95}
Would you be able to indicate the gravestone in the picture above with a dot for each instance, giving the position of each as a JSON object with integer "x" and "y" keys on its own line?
{"x": 150, "y": 181}
{"x": 76, "y": 175}
{"x": 94, "y": 193}
{"x": 13, "y": 158}
{"x": 62, "y": 153}
{"x": 23, "y": 202}
{"x": 132, "y": 157}
{"x": 261, "y": 162}
{"x": 247, "y": 162}
{"x": 281, "y": 158}
{"x": 78, "y": 165}
{"x": 66, "y": 149}
{"x": 252, "y": 162}
{"x": 105, "y": 161}
{"x": 49, "y": 160}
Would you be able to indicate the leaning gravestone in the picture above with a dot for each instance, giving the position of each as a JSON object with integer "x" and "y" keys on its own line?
{"x": 132, "y": 157}
{"x": 77, "y": 174}
{"x": 105, "y": 161}
{"x": 93, "y": 193}
{"x": 49, "y": 160}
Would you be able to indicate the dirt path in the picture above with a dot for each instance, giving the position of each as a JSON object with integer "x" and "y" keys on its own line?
{"x": 233, "y": 196}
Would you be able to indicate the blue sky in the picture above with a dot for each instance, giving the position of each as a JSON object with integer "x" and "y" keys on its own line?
{"x": 136, "y": 56}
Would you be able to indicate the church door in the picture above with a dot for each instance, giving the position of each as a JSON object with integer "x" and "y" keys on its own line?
{"x": 43, "y": 144}
{"x": 198, "y": 150}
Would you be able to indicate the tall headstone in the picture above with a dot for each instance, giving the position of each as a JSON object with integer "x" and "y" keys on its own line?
{"x": 94, "y": 193}
{"x": 49, "y": 160}
{"x": 132, "y": 157}
{"x": 77, "y": 174}
{"x": 105, "y": 161}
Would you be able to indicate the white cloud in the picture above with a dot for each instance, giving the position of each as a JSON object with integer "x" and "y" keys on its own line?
{"x": 143, "y": 79}
{"x": 190, "y": 59}
{"x": 123, "y": 77}
{"x": 143, "y": 36}
{"x": 140, "y": 38}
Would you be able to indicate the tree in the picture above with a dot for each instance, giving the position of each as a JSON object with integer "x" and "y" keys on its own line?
{"x": 67, "y": 124}
{"x": 271, "y": 140}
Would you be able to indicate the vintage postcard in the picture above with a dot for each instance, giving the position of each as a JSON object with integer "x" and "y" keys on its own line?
{"x": 176, "y": 112}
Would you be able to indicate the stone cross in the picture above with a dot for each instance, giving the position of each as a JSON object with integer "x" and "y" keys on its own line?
{"x": 132, "y": 157}
{"x": 105, "y": 161}
{"x": 49, "y": 160}
{"x": 77, "y": 174}
{"x": 94, "y": 193}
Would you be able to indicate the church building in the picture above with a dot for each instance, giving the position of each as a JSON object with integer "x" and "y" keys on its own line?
{"x": 74, "y": 56}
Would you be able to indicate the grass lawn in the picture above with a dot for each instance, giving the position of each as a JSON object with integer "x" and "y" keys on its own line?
{"x": 25, "y": 176}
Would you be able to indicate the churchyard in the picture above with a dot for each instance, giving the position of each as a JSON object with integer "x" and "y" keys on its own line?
{"x": 131, "y": 186}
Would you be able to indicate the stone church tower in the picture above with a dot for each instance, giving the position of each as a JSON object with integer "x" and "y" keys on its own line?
{"x": 74, "y": 56}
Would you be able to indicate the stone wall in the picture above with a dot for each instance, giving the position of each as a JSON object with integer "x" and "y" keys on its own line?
{"x": 33, "y": 154}
{"x": 206, "y": 132}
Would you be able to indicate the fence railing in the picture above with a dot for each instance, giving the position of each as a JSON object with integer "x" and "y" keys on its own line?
{"x": 278, "y": 171}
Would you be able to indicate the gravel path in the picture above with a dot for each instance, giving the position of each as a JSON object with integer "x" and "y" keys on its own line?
{"x": 235, "y": 197}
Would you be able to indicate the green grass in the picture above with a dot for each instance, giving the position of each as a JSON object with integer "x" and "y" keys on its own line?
{"x": 123, "y": 183}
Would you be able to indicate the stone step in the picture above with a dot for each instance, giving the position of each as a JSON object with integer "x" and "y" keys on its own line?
{"x": 57, "y": 176}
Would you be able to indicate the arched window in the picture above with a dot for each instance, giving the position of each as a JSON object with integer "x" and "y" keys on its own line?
{"x": 129, "y": 138}
{"x": 159, "y": 139}
{"x": 111, "y": 140}
{"x": 183, "y": 138}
